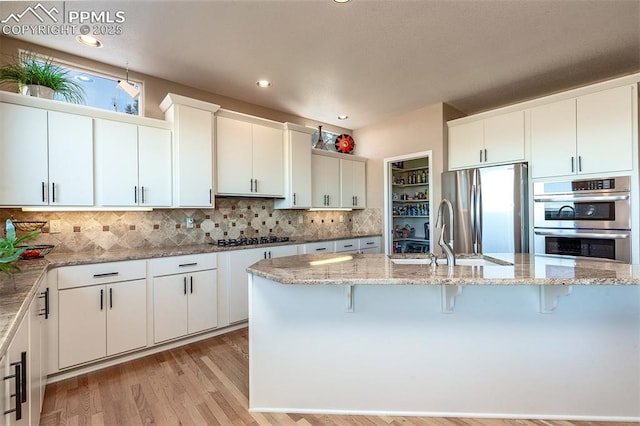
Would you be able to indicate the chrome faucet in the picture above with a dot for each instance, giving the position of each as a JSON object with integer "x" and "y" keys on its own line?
{"x": 447, "y": 247}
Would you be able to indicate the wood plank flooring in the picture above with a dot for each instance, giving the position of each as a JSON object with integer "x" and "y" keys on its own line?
{"x": 205, "y": 383}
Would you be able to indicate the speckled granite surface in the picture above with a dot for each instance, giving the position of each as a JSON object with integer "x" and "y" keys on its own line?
{"x": 518, "y": 269}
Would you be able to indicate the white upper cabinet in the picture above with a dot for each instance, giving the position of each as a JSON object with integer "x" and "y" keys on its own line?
{"x": 154, "y": 166}
{"x": 325, "y": 181}
{"x": 249, "y": 156}
{"x": 466, "y": 143}
{"x": 192, "y": 150}
{"x": 494, "y": 140}
{"x": 353, "y": 191}
{"x": 605, "y": 130}
{"x": 297, "y": 168}
{"x": 39, "y": 146}
{"x": 588, "y": 134}
{"x": 553, "y": 139}
{"x": 133, "y": 165}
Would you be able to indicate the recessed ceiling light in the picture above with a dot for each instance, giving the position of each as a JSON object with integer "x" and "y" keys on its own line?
{"x": 88, "y": 40}
{"x": 341, "y": 1}
{"x": 84, "y": 78}
{"x": 263, "y": 83}
{"x": 343, "y": 117}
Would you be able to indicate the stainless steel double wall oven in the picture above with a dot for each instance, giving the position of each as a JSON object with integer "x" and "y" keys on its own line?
{"x": 590, "y": 218}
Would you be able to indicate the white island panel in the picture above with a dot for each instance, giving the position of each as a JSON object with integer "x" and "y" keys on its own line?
{"x": 496, "y": 355}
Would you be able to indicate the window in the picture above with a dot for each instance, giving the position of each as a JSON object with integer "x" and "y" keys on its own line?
{"x": 103, "y": 92}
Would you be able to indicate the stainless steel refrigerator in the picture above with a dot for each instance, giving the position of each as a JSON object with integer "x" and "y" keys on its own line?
{"x": 489, "y": 209}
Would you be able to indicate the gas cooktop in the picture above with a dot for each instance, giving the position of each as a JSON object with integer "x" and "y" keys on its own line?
{"x": 244, "y": 241}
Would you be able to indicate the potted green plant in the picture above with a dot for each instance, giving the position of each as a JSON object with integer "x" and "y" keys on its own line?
{"x": 9, "y": 250}
{"x": 35, "y": 75}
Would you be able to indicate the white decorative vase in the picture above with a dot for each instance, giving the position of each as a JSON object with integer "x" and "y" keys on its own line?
{"x": 40, "y": 91}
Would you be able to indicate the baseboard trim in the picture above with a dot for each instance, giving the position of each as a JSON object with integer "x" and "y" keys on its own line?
{"x": 119, "y": 359}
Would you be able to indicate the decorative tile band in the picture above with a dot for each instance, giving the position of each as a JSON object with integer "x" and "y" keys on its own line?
{"x": 115, "y": 230}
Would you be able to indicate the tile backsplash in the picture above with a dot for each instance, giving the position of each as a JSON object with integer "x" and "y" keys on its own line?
{"x": 231, "y": 218}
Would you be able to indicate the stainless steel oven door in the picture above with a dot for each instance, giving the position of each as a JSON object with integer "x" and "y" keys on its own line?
{"x": 570, "y": 211}
{"x": 600, "y": 244}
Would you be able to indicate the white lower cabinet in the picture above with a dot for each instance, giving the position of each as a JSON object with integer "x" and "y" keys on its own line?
{"x": 369, "y": 245}
{"x": 102, "y": 311}
{"x": 22, "y": 390}
{"x": 16, "y": 376}
{"x": 185, "y": 295}
{"x": 101, "y": 320}
{"x": 233, "y": 270}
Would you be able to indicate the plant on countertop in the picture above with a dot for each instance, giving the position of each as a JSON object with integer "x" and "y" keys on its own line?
{"x": 9, "y": 251}
{"x": 29, "y": 69}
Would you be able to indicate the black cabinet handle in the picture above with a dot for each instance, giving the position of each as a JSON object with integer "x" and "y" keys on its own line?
{"x": 101, "y": 299}
{"x": 135, "y": 195}
{"x": 107, "y": 274}
{"x": 370, "y": 242}
{"x": 53, "y": 192}
{"x": 579, "y": 163}
{"x": 17, "y": 375}
{"x": 321, "y": 248}
{"x": 43, "y": 192}
{"x": 485, "y": 155}
{"x": 185, "y": 285}
{"x": 210, "y": 196}
{"x": 45, "y": 295}
{"x": 265, "y": 254}
{"x": 294, "y": 198}
{"x": 182, "y": 265}
{"x": 142, "y": 194}
{"x": 269, "y": 254}
{"x": 348, "y": 245}
{"x": 110, "y": 297}
{"x": 191, "y": 283}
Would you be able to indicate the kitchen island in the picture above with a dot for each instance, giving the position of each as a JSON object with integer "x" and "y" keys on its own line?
{"x": 512, "y": 336}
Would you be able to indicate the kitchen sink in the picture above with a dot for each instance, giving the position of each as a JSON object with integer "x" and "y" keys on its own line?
{"x": 476, "y": 261}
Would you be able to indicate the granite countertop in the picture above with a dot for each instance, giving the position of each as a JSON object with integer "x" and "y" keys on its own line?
{"x": 16, "y": 295}
{"x": 509, "y": 269}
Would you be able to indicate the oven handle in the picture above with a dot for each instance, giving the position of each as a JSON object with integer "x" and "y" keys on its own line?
{"x": 582, "y": 199}
{"x": 583, "y": 234}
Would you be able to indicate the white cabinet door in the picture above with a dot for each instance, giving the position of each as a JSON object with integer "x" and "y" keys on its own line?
{"x": 605, "y": 130}
{"x": 37, "y": 345}
{"x": 70, "y": 159}
{"x": 504, "y": 138}
{"x": 237, "y": 282}
{"x": 466, "y": 145}
{"x": 202, "y": 301}
{"x": 234, "y": 156}
{"x": 116, "y": 160}
{"x": 193, "y": 157}
{"x": 298, "y": 167}
{"x": 19, "y": 345}
{"x": 553, "y": 139}
{"x": 268, "y": 160}
{"x": 82, "y": 325}
{"x": 352, "y": 184}
{"x": 325, "y": 181}
{"x": 154, "y": 168}
{"x": 126, "y": 307}
{"x": 169, "y": 307}
{"x": 23, "y": 150}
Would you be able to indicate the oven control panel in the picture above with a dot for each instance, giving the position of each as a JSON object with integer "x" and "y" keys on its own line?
{"x": 594, "y": 184}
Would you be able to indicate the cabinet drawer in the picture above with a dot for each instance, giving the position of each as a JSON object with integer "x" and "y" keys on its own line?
{"x": 320, "y": 247}
{"x": 370, "y": 242}
{"x": 179, "y": 264}
{"x": 347, "y": 245}
{"x": 100, "y": 273}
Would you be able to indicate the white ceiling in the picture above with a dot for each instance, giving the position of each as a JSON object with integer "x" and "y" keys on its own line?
{"x": 369, "y": 59}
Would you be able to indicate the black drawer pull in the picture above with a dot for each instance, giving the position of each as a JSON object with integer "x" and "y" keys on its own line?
{"x": 370, "y": 242}
{"x": 321, "y": 248}
{"x": 348, "y": 245}
{"x": 107, "y": 274}
{"x": 182, "y": 265}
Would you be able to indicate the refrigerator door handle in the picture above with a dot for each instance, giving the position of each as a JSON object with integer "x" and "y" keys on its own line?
{"x": 473, "y": 211}
{"x": 478, "y": 209}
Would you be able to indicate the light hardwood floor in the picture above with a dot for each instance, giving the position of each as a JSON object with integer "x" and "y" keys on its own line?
{"x": 205, "y": 383}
